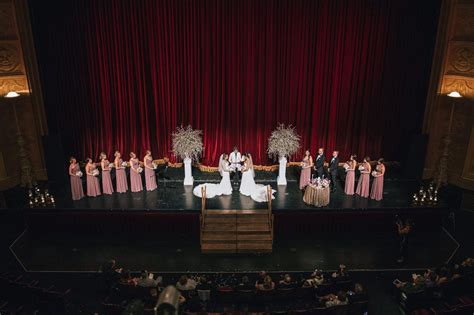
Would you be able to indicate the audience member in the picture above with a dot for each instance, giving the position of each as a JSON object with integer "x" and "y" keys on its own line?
{"x": 147, "y": 280}
{"x": 185, "y": 284}
{"x": 333, "y": 300}
{"x": 267, "y": 284}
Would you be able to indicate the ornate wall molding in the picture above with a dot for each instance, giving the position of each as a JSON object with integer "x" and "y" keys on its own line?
{"x": 19, "y": 84}
{"x": 460, "y": 58}
{"x": 7, "y": 22}
{"x": 462, "y": 84}
{"x": 10, "y": 59}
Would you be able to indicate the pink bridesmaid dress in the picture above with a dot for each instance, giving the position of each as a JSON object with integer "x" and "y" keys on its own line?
{"x": 76, "y": 182}
{"x": 93, "y": 187}
{"x": 305, "y": 176}
{"x": 121, "y": 178}
{"x": 377, "y": 186}
{"x": 136, "y": 184}
{"x": 150, "y": 177}
{"x": 363, "y": 184}
{"x": 350, "y": 179}
{"x": 107, "y": 187}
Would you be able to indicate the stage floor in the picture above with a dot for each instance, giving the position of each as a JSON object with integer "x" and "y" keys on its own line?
{"x": 172, "y": 195}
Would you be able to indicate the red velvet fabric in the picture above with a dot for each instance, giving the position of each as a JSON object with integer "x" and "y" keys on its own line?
{"x": 350, "y": 75}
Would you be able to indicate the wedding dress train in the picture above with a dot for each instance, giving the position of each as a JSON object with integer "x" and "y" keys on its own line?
{"x": 223, "y": 188}
{"x": 248, "y": 187}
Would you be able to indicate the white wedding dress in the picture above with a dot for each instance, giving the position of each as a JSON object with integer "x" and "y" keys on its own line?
{"x": 248, "y": 187}
{"x": 223, "y": 188}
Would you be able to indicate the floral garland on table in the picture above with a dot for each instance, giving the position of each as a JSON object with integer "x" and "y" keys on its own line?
{"x": 283, "y": 142}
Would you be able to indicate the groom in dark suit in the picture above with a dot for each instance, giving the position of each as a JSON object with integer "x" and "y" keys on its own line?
{"x": 319, "y": 163}
{"x": 333, "y": 167}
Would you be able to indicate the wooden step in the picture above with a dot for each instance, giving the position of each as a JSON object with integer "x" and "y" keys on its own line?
{"x": 218, "y": 248}
{"x": 250, "y": 227}
{"x": 254, "y": 237}
{"x": 218, "y": 237}
{"x": 224, "y": 227}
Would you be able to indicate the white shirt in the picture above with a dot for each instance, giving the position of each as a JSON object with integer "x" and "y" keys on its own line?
{"x": 235, "y": 157}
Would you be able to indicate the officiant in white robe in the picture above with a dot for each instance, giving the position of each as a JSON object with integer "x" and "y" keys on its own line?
{"x": 235, "y": 163}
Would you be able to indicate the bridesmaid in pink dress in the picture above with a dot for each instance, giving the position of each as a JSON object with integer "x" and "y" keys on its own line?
{"x": 93, "y": 187}
{"x": 377, "y": 185}
{"x": 364, "y": 178}
{"x": 76, "y": 181}
{"x": 107, "y": 187}
{"x": 150, "y": 178}
{"x": 120, "y": 176}
{"x": 136, "y": 184}
{"x": 350, "y": 175}
{"x": 306, "y": 166}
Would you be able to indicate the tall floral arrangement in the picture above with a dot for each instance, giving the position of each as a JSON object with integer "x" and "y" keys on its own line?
{"x": 187, "y": 142}
{"x": 283, "y": 142}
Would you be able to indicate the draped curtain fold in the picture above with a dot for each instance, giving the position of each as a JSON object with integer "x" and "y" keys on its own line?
{"x": 122, "y": 74}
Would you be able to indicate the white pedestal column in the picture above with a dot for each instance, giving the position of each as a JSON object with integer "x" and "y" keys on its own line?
{"x": 188, "y": 177}
{"x": 281, "y": 180}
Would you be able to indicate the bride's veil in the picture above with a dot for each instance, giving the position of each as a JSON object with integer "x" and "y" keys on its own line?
{"x": 249, "y": 157}
{"x": 221, "y": 167}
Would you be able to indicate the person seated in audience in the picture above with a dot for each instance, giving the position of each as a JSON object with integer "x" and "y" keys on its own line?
{"x": 333, "y": 300}
{"x": 430, "y": 278}
{"x": 341, "y": 274}
{"x": 245, "y": 285}
{"x": 151, "y": 300}
{"x": 286, "y": 282}
{"x": 267, "y": 284}
{"x": 457, "y": 272}
{"x": 317, "y": 278}
{"x": 185, "y": 284}
{"x": 261, "y": 277}
{"x": 418, "y": 284}
{"x": 358, "y": 295}
{"x": 110, "y": 271}
{"x": 204, "y": 283}
{"x": 468, "y": 265}
{"x": 443, "y": 276}
{"x": 308, "y": 283}
{"x": 147, "y": 280}
{"x": 126, "y": 279}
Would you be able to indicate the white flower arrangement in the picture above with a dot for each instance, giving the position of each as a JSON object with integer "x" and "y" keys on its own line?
{"x": 111, "y": 165}
{"x": 283, "y": 142}
{"x": 375, "y": 173}
{"x": 361, "y": 168}
{"x": 320, "y": 183}
{"x": 95, "y": 172}
{"x": 154, "y": 165}
{"x": 346, "y": 166}
{"x": 187, "y": 143}
{"x": 124, "y": 164}
{"x": 79, "y": 174}
{"x": 139, "y": 169}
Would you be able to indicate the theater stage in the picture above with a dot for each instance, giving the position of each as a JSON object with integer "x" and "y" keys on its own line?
{"x": 171, "y": 195}
{"x": 160, "y": 230}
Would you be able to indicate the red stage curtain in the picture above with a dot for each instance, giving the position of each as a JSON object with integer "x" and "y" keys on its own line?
{"x": 350, "y": 75}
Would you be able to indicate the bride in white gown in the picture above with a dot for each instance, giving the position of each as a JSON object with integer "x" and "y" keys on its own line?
{"x": 248, "y": 187}
{"x": 224, "y": 187}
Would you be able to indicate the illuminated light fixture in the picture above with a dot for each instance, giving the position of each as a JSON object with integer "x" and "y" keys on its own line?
{"x": 12, "y": 94}
{"x": 455, "y": 94}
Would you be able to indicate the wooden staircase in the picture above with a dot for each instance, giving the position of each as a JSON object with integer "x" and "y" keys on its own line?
{"x": 236, "y": 231}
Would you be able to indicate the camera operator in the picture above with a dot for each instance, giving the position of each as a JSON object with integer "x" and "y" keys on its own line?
{"x": 404, "y": 228}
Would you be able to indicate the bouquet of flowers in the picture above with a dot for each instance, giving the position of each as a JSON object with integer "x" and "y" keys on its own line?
{"x": 79, "y": 174}
{"x": 346, "y": 166}
{"x": 320, "y": 183}
{"x": 375, "y": 173}
{"x": 124, "y": 164}
{"x": 95, "y": 172}
{"x": 111, "y": 165}
{"x": 139, "y": 169}
{"x": 361, "y": 168}
{"x": 154, "y": 165}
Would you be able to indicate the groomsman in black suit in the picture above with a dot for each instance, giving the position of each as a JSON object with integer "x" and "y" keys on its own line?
{"x": 319, "y": 163}
{"x": 333, "y": 167}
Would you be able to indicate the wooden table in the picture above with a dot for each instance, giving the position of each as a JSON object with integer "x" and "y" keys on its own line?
{"x": 316, "y": 196}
